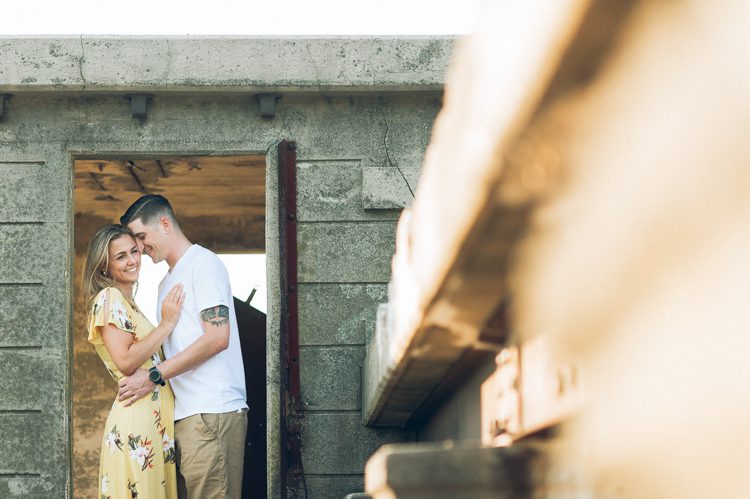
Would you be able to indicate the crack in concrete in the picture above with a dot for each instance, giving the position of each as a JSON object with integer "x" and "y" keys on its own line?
{"x": 81, "y": 60}
{"x": 388, "y": 154}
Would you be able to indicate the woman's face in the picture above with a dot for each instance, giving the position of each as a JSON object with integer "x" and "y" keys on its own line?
{"x": 124, "y": 260}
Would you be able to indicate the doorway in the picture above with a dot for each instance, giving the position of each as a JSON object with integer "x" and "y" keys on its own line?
{"x": 220, "y": 202}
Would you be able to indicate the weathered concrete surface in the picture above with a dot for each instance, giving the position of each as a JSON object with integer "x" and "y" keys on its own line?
{"x": 24, "y": 323}
{"x": 335, "y": 191}
{"x": 333, "y": 487}
{"x": 34, "y": 306}
{"x": 388, "y": 188}
{"x": 223, "y": 64}
{"x": 27, "y": 485}
{"x": 25, "y": 195}
{"x": 273, "y": 321}
{"x": 345, "y": 252}
{"x": 328, "y": 455}
{"x": 20, "y": 430}
{"x": 34, "y": 441}
{"x": 21, "y": 365}
{"x": 32, "y": 253}
{"x": 341, "y": 387}
{"x": 338, "y": 314}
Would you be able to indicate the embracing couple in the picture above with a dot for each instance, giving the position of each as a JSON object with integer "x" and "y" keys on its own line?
{"x": 177, "y": 427}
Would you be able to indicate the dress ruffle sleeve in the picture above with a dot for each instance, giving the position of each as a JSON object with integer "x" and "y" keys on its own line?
{"x": 110, "y": 307}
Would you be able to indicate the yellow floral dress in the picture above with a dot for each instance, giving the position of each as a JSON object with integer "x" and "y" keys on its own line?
{"x": 138, "y": 452}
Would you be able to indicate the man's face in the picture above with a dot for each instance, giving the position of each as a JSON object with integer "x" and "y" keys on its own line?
{"x": 150, "y": 239}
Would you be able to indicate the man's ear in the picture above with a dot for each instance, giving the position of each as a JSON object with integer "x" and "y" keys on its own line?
{"x": 166, "y": 224}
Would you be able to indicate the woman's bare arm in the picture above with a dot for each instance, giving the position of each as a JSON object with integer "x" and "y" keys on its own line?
{"x": 128, "y": 354}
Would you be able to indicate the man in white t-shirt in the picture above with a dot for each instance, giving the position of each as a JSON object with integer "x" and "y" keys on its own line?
{"x": 203, "y": 358}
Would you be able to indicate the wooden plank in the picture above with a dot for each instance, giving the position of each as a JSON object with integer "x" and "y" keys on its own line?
{"x": 530, "y": 390}
{"x": 454, "y": 244}
{"x": 228, "y": 186}
{"x": 201, "y": 189}
{"x": 630, "y": 277}
{"x": 441, "y": 471}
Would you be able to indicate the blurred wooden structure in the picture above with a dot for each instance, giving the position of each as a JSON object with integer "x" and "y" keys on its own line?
{"x": 581, "y": 216}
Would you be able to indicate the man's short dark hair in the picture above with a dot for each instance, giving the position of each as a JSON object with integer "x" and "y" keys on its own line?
{"x": 148, "y": 208}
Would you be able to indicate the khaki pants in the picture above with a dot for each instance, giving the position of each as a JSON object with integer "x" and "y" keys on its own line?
{"x": 210, "y": 455}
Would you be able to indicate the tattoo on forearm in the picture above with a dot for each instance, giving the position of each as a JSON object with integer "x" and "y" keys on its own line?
{"x": 216, "y": 316}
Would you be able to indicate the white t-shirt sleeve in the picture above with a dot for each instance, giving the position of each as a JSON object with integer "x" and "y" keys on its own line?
{"x": 211, "y": 283}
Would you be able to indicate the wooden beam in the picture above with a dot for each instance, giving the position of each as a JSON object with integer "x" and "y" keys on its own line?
{"x": 455, "y": 246}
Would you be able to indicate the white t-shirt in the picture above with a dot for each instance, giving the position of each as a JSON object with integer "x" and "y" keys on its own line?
{"x": 218, "y": 384}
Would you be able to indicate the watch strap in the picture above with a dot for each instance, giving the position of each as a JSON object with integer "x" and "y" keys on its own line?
{"x": 155, "y": 376}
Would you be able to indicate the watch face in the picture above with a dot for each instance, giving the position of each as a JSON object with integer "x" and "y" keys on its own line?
{"x": 154, "y": 376}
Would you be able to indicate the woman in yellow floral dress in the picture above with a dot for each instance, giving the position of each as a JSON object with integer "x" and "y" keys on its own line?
{"x": 138, "y": 453}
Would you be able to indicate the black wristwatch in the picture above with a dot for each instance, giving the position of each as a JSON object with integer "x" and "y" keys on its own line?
{"x": 155, "y": 376}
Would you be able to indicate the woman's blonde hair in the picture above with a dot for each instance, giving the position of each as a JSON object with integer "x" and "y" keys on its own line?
{"x": 95, "y": 276}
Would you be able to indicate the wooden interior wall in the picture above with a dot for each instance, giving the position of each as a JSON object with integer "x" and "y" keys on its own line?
{"x": 219, "y": 202}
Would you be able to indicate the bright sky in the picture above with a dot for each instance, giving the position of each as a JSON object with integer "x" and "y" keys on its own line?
{"x": 239, "y": 17}
{"x": 245, "y": 273}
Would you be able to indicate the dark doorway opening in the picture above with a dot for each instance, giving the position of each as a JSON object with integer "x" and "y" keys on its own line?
{"x": 252, "y": 326}
{"x": 220, "y": 202}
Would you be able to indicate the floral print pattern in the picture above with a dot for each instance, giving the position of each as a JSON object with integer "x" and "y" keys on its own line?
{"x": 105, "y": 485}
{"x": 140, "y": 451}
{"x": 155, "y": 358}
{"x": 167, "y": 443}
{"x": 129, "y": 466}
{"x": 168, "y": 447}
{"x": 120, "y": 315}
{"x": 99, "y": 304}
{"x": 132, "y": 488}
{"x": 112, "y": 440}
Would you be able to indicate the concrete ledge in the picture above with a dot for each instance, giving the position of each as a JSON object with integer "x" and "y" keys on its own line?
{"x": 436, "y": 471}
{"x": 223, "y": 64}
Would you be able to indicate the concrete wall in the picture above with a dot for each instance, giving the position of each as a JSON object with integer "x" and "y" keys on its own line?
{"x": 34, "y": 319}
{"x": 344, "y": 254}
{"x": 459, "y": 417}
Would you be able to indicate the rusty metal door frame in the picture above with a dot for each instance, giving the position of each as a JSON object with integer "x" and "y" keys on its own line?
{"x": 292, "y": 477}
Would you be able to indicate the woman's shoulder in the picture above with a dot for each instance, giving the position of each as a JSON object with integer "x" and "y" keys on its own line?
{"x": 111, "y": 293}
{"x": 110, "y": 306}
